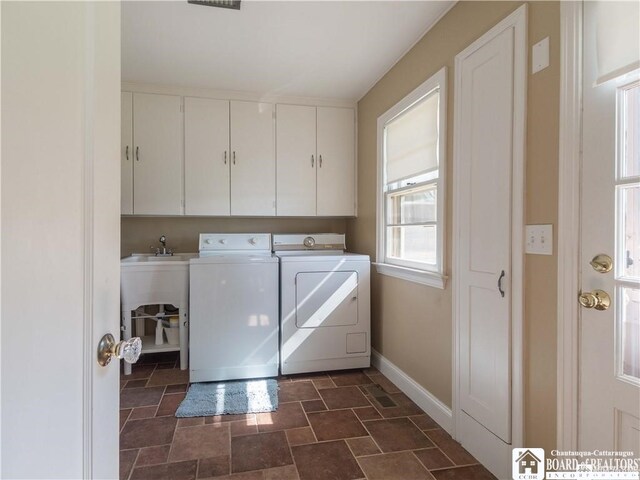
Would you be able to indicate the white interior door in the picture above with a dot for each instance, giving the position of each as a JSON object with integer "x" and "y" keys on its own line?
{"x": 296, "y": 160}
{"x": 126, "y": 154}
{"x": 488, "y": 184}
{"x": 157, "y": 135}
{"x": 206, "y": 156}
{"x": 60, "y": 238}
{"x": 253, "y": 160}
{"x": 336, "y": 161}
{"x": 485, "y": 233}
{"x": 609, "y": 416}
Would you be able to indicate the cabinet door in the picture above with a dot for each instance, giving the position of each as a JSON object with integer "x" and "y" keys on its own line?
{"x": 206, "y": 156}
{"x": 157, "y": 133}
{"x": 253, "y": 163}
{"x": 296, "y": 160}
{"x": 336, "y": 161}
{"x": 126, "y": 153}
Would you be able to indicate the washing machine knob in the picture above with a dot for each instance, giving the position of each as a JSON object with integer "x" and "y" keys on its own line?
{"x": 222, "y": 241}
{"x": 253, "y": 241}
{"x": 207, "y": 241}
{"x": 309, "y": 242}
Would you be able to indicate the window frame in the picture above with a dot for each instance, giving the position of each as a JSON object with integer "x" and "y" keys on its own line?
{"x": 409, "y": 271}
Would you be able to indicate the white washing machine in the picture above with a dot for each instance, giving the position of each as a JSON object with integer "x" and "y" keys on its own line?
{"x": 233, "y": 298}
{"x": 324, "y": 304}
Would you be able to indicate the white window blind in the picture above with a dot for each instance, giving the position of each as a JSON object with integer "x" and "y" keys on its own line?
{"x": 617, "y": 39}
{"x": 411, "y": 140}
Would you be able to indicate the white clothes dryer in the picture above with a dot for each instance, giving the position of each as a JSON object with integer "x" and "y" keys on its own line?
{"x": 324, "y": 304}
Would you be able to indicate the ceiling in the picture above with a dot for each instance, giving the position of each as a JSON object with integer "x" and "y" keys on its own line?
{"x": 331, "y": 49}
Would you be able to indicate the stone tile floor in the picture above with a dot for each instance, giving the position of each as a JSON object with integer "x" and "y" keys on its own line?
{"x": 327, "y": 427}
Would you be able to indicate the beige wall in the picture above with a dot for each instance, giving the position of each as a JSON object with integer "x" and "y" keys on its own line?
{"x": 139, "y": 233}
{"x": 411, "y": 323}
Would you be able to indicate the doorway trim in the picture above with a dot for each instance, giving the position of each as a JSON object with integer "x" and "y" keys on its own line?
{"x": 518, "y": 21}
{"x": 569, "y": 157}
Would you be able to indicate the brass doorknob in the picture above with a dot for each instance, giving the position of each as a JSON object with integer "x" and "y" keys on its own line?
{"x": 602, "y": 263}
{"x": 598, "y": 299}
{"x": 129, "y": 350}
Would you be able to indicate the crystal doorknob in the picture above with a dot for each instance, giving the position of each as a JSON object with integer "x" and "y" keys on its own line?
{"x": 598, "y": 299}
{"x": 128, "y": 350}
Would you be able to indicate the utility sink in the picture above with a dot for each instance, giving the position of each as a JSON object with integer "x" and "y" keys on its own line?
{"x": 149, "y": 258}
{"x": 147, "y": 279}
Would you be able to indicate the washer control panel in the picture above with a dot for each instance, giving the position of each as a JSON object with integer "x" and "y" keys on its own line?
{"x": 216, "y": 243}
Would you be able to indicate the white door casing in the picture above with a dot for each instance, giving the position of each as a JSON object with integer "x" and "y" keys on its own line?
{"x": 336, "y": 161}
{"x": 157, "y": 135}
{"x": 253, "y": 163}
{"x": 126, "y": 154}
{"x": 61, "y": 226}
{"x": 489, "y": 120}
{"x": 609, "y": 415}
{"x": 206, "y": 156}
{"x": 296, "y": 160}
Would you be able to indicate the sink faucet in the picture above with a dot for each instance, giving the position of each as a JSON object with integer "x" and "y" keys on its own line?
{"x": 165, "y": 252}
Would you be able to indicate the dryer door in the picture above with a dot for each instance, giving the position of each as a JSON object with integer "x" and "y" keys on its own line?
{"x": 326, "y": 299}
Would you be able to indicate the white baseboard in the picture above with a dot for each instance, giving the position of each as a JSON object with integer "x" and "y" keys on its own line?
{"x": 416, "y": 392}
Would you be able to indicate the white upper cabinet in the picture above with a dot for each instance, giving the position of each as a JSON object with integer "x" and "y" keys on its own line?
{"x": 315, "y": 161}
{"x": 206, "y": 156}
{"x": 126, "y": 153}
{"x": 218, "y": 158}
{"x": 157, "y": 135}
{"x": 296, "y": 160}
{"x": 336, "y": 161}
{"x": 253, "y": 163}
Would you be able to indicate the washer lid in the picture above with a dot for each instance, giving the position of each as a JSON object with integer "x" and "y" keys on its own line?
{"x": 309, "y": 241}
{"x": 234, "y": 258}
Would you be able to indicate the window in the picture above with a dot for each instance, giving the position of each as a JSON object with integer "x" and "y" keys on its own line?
{"x": 627, "y": 254}
{"x": 411, "y": 166}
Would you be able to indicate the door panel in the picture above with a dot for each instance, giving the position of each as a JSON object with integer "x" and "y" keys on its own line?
{"x": 336, "y": 161}
{"x": 486, "y": 89}
{"x": 296, "y": 160}
{"x": 609, "y": 377}
{"x": 126, "y": 154}
{"x": 157, "y": 131}
{"x": 326, "y": 299}
{"x": 60, "y": 179}
{"x": 206, "y": 156}
{"x": 253, "y": 164}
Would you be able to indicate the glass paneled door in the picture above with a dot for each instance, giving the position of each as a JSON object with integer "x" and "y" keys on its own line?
{"x": 609, "y": 417}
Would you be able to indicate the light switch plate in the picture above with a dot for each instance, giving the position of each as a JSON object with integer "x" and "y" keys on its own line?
{"x": 539, "y": 239}
{"x": 540, "y": 55}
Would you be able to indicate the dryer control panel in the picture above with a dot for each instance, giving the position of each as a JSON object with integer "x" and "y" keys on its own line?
{"x": 309, "y": 241}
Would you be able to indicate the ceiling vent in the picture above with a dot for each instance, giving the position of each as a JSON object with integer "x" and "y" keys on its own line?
{"x": 233, "y": 4}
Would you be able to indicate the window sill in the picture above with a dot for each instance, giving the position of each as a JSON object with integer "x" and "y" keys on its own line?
{"x": 431, "y": 279}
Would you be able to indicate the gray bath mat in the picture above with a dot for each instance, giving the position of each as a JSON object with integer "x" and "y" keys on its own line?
{"x": 226, "y": 398}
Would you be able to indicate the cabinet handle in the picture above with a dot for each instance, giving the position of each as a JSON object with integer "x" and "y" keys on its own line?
{"x": 500, "y": 284}
{"x": 126, "y": 152}
{"x": 311, "y": 161}
{"x": 320, "y": 161}
{"x": 225, "y": 157}
{"x": 234, "y": 157}
{"x": 137, "y": 154}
